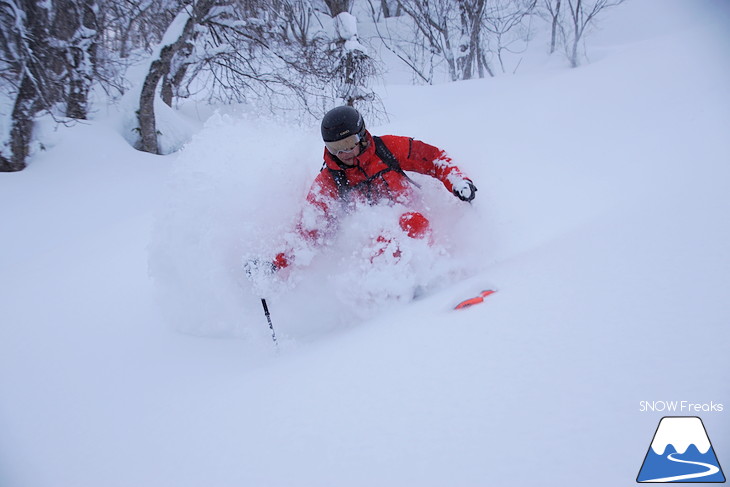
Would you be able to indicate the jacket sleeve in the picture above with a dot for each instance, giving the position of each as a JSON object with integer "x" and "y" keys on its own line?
{"x": 318, "y": 214}
{"x": 316, "y": 221}
{"x": 423, "y": 158}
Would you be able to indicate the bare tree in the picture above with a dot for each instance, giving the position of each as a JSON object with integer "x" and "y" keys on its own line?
{"x": 51, "y": 50}
{"x": 281, "y": 55}
{"x": 581, "y": 15}
{"x": 436, "y": 24}
{"x": 21, "y": 32}
{"x": 462, "y": 34}
{"x": 176, "y": 43}
{"x": 11, "y": 20}
{"x": 389, "y": 8}
{"x": 297, "y": 18}
{"x": 552, "y": 7}
{"x": 132, "y": 24}
{"x": 128, "y": 31}
{"x": 412, "y": 52}
{"x": 507, "y": 28}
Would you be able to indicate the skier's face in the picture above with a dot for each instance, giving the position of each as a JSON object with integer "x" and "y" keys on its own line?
{"x": 346, "y": 150}
{"x": 348, "y": 157}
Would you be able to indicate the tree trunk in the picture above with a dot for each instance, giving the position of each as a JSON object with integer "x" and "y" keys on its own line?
{"x": 172, "y": 81}
{"x": 336, "y": 7}
{"x": 449, "y": 55}
{"x": 388, "y": 10}
{"x": 471, "y": 20}
{"x": 56, "y": 58}
{"x": 554, "y": 32}
{"x": 484, "y": 65}
{"x": 83, "y": 58}
{"x": 385, "y": 8}
{"x": 574, "y": 54}
{"x": 34, "y": 60}
{"x": 124, "y": 43}
{"x": 146, "y": 112}
{"x": 21, "y": 129}
{"x": 159, "y": 68}
{"x": 166, "y": 90}
{"x": 577, "y": 16}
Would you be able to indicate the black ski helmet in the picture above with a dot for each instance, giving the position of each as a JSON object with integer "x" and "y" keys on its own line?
{"x": 342, "y": 122}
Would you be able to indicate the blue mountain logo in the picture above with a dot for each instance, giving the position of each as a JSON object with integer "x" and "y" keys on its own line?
{"x": 681, "y": 452}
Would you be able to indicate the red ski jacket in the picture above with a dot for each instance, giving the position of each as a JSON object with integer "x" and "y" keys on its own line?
{"x": 370, "y": 180}
{"x": 373, "y": 180}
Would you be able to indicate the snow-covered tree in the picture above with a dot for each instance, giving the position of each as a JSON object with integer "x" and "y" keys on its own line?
{"x": 285, "y": 56}
{"x": 352, "y": 65}
{"x": 172, "y": 52}
{"x": 74, "y": 37}
{"x": 50, "y": 50}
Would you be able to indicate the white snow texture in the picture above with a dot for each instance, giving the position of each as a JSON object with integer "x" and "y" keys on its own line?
{"x": 134, "y": 351}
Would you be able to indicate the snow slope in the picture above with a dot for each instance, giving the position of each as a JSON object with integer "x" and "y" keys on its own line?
{"x": 133, "y": 354}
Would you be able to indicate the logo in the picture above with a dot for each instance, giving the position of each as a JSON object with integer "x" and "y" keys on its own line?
{"x": 680, "y": 452}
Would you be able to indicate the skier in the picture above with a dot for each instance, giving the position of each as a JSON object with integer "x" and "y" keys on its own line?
{"x": 362, "y": 168}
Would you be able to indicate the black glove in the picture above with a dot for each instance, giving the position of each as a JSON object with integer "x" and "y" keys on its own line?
{"x": 465, "y": 190}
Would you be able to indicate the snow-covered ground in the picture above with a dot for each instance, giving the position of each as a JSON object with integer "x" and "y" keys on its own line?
{"x": 134, "y": 353}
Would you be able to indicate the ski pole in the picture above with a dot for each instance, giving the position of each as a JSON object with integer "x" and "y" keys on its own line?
{"x": 268, "y": 318}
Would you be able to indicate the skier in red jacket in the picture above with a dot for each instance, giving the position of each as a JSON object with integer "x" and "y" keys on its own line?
{"x": 361, "y": 168}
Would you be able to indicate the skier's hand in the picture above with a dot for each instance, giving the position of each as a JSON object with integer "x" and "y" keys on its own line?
{"x": 256, "y": 268}
{"x": 264, "y": 268}
{"x": 464, "y": 190}
{"x": 281, "y": 261}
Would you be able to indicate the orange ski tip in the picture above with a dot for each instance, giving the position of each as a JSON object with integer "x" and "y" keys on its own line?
{"x": 476, "y": 300}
